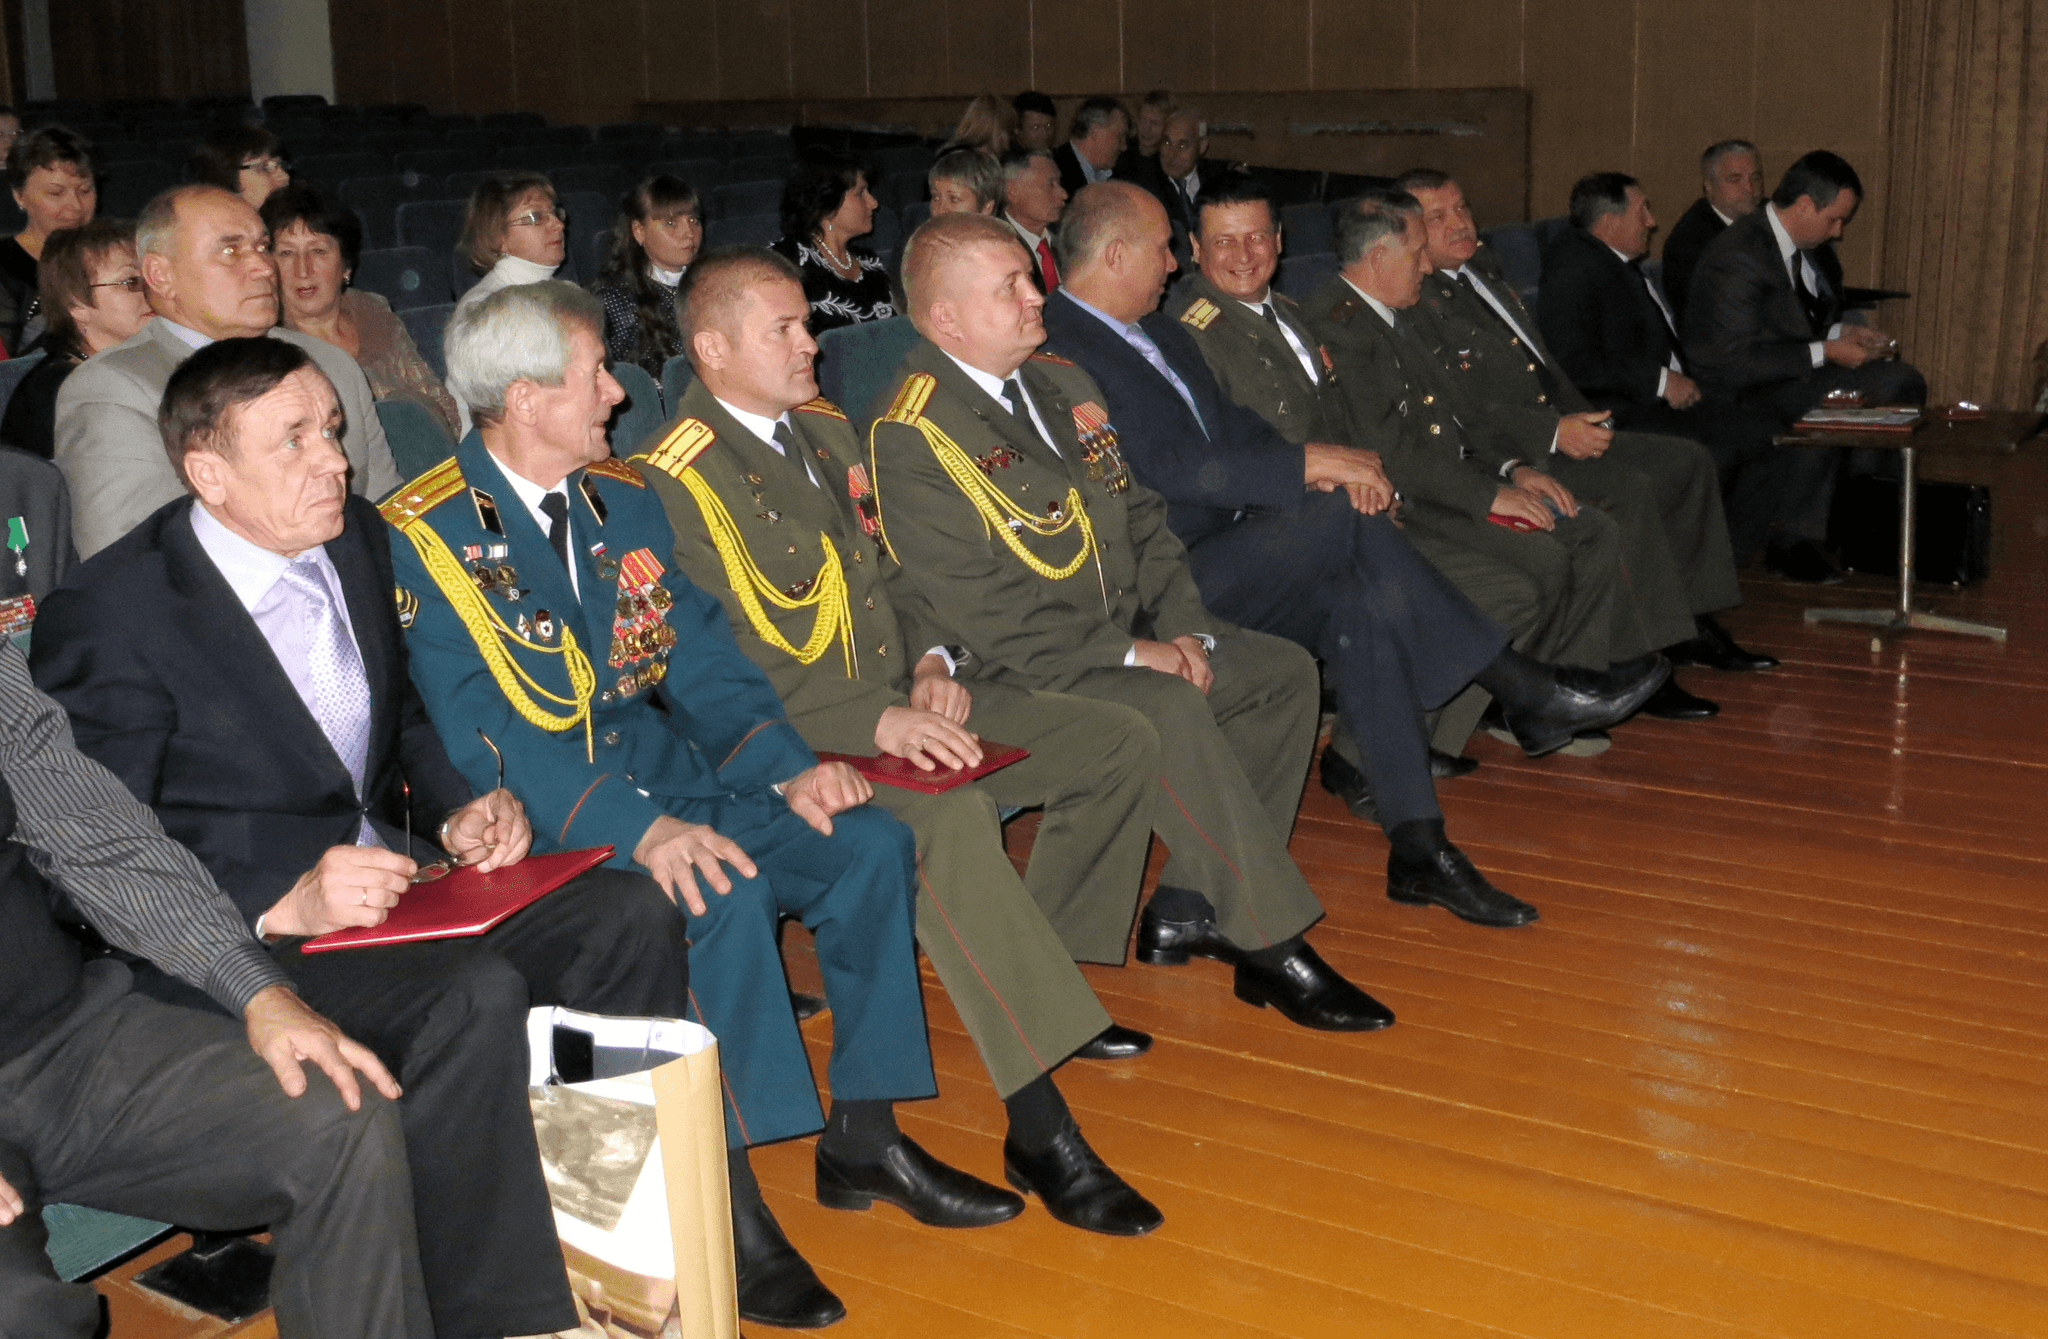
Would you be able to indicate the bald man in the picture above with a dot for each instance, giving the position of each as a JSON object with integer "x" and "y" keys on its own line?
{"x": 765, "y": 488}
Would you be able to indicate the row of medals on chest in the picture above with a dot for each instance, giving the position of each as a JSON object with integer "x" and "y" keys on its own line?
{"x": 641, "y": 636}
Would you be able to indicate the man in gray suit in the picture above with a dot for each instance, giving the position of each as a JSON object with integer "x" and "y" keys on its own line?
{"x": 206, "y": 262}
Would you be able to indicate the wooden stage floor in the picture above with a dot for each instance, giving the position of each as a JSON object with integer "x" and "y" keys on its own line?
{"x": 1771, "y": 1064}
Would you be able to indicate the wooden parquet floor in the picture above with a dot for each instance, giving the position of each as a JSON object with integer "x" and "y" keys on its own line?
{"x": 1771, "y": 1065}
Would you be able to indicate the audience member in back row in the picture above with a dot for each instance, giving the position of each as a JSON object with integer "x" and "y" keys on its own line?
{"x": 10, "y": 128}
{"x": 965, "y": 181}
{"x": 93, "y": 299}
{"x": 1146, "y": 132}
{"x": 51, "y": 173}
{"x": 248, "y": 160}
{"x": 654, "y": 239}
{"x": 316, "y": 244}
{"x": 514, "y": 233}
{"x": 1037, "y": 120}
{"x": 206, "y": 265}
{"x": 1094, "y": 143}
{"x": 988, "y": 124}
{"x": 825, "y": 205}
{"x": 1732, "y": 185}
{"x": 1033, "y": 200}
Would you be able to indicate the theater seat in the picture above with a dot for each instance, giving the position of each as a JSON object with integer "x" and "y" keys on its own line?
{"x": 676, "y": 376}
{"x": 639, "y": 416}
{"x": 1301, "y": 276}
{"x": 404, "y": 276}
{"x": 85, "y": 1241}
{"x": 418, "y": 442}
{"x": 856, "y": 363}
{"x": 427, "y": 325}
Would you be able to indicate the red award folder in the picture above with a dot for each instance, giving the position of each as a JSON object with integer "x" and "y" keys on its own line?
{"x": 464, "y": 902}
{"x": 890, "y": 770}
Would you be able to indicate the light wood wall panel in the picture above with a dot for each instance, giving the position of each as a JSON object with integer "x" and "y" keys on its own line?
{"x": 145, "y": 48}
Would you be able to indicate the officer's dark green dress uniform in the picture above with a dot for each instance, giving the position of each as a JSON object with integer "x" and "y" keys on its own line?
{"x": 1046, "y": 566}
{"x": 633, "y": 701}
{"x": 786, "y": 544}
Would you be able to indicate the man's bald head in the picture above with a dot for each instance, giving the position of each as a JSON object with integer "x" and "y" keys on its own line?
{"x": 1116, "y": 249}
{"x": 1108, "y": 211}
{"x": 969, "y": 282}
{"x": 714, "y": 292}
{"x": 932, "y": 257}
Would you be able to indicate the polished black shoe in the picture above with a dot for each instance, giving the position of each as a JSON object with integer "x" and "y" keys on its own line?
{"x": 1673, "y": 703}
{"x": 1802, "y": 560}
{"x": 1347, "y": 783}
{"x": 917, "y": 1183}
{"x": 776, "y": 1285}
{"x": 1078, "y": 1188}
{"x": 1444, "y": 766}
{"x": 805, "y": 1005}
{"x": 1115, "y": 1042}
{"x": 1714, "y": 648}
{"x": 1164, "y": 943}
{"x": 1581, "y": 699}
{"x": 1449, "y": 880}
{"x": 1310, "y": 992}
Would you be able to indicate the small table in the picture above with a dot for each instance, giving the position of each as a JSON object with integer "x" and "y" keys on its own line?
{"x": 1999, "y": 430}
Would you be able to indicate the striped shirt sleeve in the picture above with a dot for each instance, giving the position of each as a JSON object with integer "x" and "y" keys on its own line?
{"x": 85, "y": 833}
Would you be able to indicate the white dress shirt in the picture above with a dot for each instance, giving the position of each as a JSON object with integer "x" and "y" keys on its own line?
{"x": 1308, "y": 361}
{"x": 994, "y": 386}
{"x": 764, "y": 428}
{"x": 531, "y": 493}
{"x": 1795, "y": 259}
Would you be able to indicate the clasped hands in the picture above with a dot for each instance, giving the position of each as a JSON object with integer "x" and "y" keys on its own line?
{"x": 1524, "y": 498}
{"x": 1328, "y": 467}
{"x": 1858, "y": 345}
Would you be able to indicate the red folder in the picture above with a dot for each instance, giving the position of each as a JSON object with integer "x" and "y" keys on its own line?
{"x": 890, "y": 770}
{"x": 464, "y": 902}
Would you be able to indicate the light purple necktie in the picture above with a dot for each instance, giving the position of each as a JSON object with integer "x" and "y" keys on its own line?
{"x": 341, "y": 691}
{"x": 1136, "y": 337}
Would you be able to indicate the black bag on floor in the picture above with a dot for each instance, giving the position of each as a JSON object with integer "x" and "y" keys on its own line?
{"x": 1953, "y": 524}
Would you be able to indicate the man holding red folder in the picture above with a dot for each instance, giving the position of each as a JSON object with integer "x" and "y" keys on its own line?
{"x": 766, "y": 488}
{"x": 236, "y": 660}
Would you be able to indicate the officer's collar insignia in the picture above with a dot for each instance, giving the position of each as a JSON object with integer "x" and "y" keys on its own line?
{"x": 588, "y": 487}
{"x": 487, "y": 511}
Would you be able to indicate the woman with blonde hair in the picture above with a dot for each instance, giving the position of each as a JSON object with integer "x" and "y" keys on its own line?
{"x": 515, "y": 233}
{"x": 987, "y": 125}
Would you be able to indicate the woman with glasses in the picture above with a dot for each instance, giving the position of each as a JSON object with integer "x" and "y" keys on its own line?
{"x": 654, "y": 239}
{"x": 513, "y": 234}
{"x": 51, "y": 172}
{"x": 248, "y": 160}
{"x": 92, "y": 293}
{"x": 316, "y": 244}
{"x": 825, "y": 205}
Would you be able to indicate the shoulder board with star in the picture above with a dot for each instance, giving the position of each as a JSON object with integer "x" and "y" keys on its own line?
{"x": 411, "y": 501}
{"x": 821, "y": 405}
{"x": 910, "y": 401}
{"x": 1043, "y": 357}
{"x": 685, "y": 442}
{"x": 611, "y": 467}
{"x": 1200, "y": 314}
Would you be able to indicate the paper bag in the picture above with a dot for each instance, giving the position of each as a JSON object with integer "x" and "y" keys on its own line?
{"x": 632, "y": 1142}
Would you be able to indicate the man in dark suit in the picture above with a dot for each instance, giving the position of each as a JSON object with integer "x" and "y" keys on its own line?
{"x": 1037, "y": 121}
{"x": 1094, "y": 142}
{"x": 1612, "y": 333}
{"x": 1294, "y": 540}
{"x": 236, "y": 660}
{"x": 1732, "y": 186}
{"x": 1033, "y": 200}
{"x": 1764, "y": 324}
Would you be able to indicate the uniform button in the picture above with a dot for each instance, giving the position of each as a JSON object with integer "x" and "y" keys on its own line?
{"x": 856, "y": 556}
{"x": 792, "y": 548}
{"x": 881, "y": 650}
{"x": 871, "y": 601}
{"x": 611, "y": 736}
{"x": 1543, "y": 399}
{"x": 1435, "y": 428}
{"x": 1429, "y": 399}
{"x": 607, "y": 695}
{"x": 1514, "y": 341}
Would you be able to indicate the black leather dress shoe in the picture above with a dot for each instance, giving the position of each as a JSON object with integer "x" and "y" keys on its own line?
{"x": 1115, "y": 1042}
{"x": 776, "y": 1285}
{"x": 1164, "y": 943}
{"x": 1714, "y": 648}
{"x": 1673, "y": 703}
{"x": 1444, "y": 766}
{"x": 1583, "y": 699}
{"x": 1310, "y": 992}
{"x": 1802, "y": 560}
{"x": 1078, "y": 1188}
{"x": 1450, "y": 881}
{"x": 917, "y": 1183}
{"x": 1347, "y": 783}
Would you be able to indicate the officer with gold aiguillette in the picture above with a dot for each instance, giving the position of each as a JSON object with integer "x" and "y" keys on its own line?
{"x": 769, "y": 497}
{"x": 547, "y": 618}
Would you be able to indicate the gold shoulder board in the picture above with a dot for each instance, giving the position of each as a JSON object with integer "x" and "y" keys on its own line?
{"x": 414, "y": 500}
{"x": 821, "y": 405}
{"x": 1043, "y": 357}
{"x": 611, "y": 467}
{"x": 910, "y": 401}
{"x": 1200, "y": 313}
{"x": 688, "y": 440}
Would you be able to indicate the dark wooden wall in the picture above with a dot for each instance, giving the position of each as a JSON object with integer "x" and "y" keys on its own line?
{"x": 147, "y": 48}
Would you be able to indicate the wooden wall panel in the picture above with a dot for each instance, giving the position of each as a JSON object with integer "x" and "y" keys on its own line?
{"x": 1171, "y": 44}
{"x": 829, "y": 54}
{"x": 753, "y": 48}
{"x": 486, "y": 75}
{"x": 989, "y": 50}
{"x": 137, "y": 48}
{"x": 1469, "y": 44}
{"x": 682, "y": 49}
{"x": 1076, "y": 46}
{"x": 1581, "y": 77}
{"x": 1363, "y": 44}
{"x": 611, "y": 57}
{"x": 362, "y": 69}
{"x": 1263, "y": 46}
{"x": 909, "y": 57}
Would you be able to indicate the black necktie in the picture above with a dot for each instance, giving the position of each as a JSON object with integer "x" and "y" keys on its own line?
{"x": 1544, "y": 376}
{"x": 1816, "y": 307}
{"x": 1270, "y": 314}
{"x": 1669, "y": 345}
{"x": 1013, "y": 395}
{"x": 787, "y": 441}
{"x": 556, "y": 507}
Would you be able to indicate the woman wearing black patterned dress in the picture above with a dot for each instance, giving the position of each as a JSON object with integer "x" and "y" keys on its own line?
{"x": 825, "y": 205}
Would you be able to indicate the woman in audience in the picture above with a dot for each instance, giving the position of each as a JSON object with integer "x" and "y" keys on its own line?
{"x": 51, "y": 172}
{"x": 92, "y": 296}
{"x": 654, "y": 239}
{"x": 825, "y": 205}
{"x": 965, "y": 181}
{"x": 513, "y": 234}
{"x": 985, "y": 125}
{"x": 247, "y": 160}
{"x": 316, "y": 244}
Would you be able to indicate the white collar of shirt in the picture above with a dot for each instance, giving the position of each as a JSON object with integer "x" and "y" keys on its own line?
{"x": 764, "y": 428}
{"x": 1121, "y": 327}
{"x": 1726, "y": 222}
{"x": 186, "y": 333}
{"x": 1308, "y": 362}
{"x": 1191, "y": 184}
{"x": 993, "y": 384}
{"x": 1386, "y": 312}
{"x": 1790, "y": 251}
{"x": 518, "y": 270}
{"x": 1031, "y": 239}
{"x": 531, "y": 493}
{"x": 1479, "y": 286}
{"x": 1088, "y": 169}
{"x": 666, "y": 278}
{"x": 250, "y": 569}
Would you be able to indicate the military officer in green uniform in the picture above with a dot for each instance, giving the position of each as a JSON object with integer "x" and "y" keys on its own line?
{"x": 544, "y": 624}
{"x": 1665, "y": 491}
{"x": 1019, "y": 536}
{"x": 767, "y": 489}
